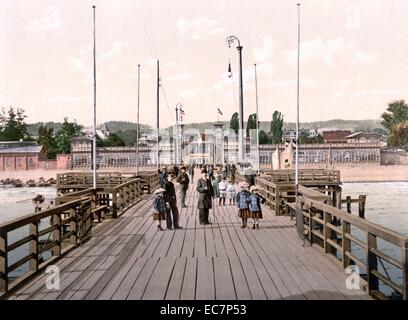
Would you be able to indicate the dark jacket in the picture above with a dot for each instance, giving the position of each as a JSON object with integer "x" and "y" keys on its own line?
{"x": 163, "y": 178}
{"x": 242, "y": 199}
{"x": 159, "y": 205}
{"x": 170, "y": 193}
{"x": 205, "y": 195}
{"x": 183, "y": 180}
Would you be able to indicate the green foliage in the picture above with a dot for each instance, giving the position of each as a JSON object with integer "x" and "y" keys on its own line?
{"x": 277, "y": 127}
{"x": 311, "y": 140}
{"x": 125, "y": 126}
{"x": 251, "y": 124}
{"x": 396, "y": 114}
{"x": 234, "y": 123}
{"x": 63, "y": 137}
{"x": 128, "y": 137}
{"x": 400, "y": 135}
{"x": 47, "y": 140}
{"x": 34, "y": 127}
{"x": 264, "y": 138}
{"x": 13, "y": 126}
{"x": 114, "y": 141}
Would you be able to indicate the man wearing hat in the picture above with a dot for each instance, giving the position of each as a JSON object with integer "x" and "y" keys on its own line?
{"x": 206, "y": 192}
{"x": 159, "y": 207}
{"x": 184, "y": 181}
{"x": 163, "y": 176}
{"x": 171, "y": 201}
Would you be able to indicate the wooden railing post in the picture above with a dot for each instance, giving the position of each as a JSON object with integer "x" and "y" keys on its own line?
{"x": 372, "y": 281}
{"x": 73, "y": 226}
{"x": 114, "y": 204}
{"x": 56, "y": 235}
{"x": 3, "y": 262}
{"x": 33, "y": 246}
{"x": 326, "y": 232}
{"x": 405, "y": 271}
{"x": 346, "y": 243}
{"x": 361, "y": 206}
{"x": 348, "y": 198}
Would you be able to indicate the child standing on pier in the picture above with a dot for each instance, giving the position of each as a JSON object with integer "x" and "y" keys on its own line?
{"x": 242, "y": 199}
{"x": 159, "y": 207}
{"x": 231, "y": 191}
{"x": 223, "y": 191}
{"x": 255, "y": 206}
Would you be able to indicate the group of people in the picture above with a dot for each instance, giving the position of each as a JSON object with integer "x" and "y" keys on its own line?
{"x": 246, "y": 197}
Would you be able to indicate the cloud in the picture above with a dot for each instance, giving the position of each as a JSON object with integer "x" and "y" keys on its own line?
{"x": 199, "y": 27}
{"x": 364, "y": 58}
{"x": 327, "y": 51}
{"x": 51, "y": 21}
{"x": 117, "y": 49}
{"x": 182, "y": 76}
{"x": 189, "y": 93}
{"x": 318, "y": 50}
{"x": 264, "y": 53}
{"x": 67, "y": 99}
{"x": 84, "y": 62}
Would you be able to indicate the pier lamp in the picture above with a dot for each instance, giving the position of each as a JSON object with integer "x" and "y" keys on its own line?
{"x": 241, "y": 149}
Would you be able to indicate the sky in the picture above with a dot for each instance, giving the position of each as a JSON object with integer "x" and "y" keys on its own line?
{"x": 354, "y": 58}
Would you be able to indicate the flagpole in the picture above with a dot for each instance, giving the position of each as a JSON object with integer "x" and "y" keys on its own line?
{"x": 94, "y": 107}
{"x": 137, "y": 130}
{"x": 297, "y": 107}
{"x": 257, "y": 117}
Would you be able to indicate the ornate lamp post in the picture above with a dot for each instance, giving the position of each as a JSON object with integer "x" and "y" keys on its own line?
{"x": 241, "y": 149}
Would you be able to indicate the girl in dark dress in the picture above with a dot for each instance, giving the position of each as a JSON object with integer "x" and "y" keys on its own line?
{"x": 242, "y": 201}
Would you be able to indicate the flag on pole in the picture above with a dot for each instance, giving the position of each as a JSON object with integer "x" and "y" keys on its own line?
{"x": 219, "y": 112}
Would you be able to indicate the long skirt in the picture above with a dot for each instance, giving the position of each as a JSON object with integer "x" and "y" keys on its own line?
{"x": 159, "y": 216}
{"x": 244, "y": 213}
{"x": 255, "y": 214}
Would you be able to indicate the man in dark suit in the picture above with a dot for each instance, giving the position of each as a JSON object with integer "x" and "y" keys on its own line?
{"x": 171, "y": 202}
{"x": 184, "y": 181}
{"x": 206, "y": 192}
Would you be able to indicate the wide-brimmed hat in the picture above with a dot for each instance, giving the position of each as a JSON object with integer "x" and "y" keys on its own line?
{"x": 254, "y": 188}
{"x": 160, "y": 190}
{"x": 243, "y": 185}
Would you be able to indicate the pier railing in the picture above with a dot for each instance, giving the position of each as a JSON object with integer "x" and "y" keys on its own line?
{"x": 46, "y": 236}
{"x": 339, "y": 233}
{"x": 280, "y": 193}
{"x": 66, "y": 226}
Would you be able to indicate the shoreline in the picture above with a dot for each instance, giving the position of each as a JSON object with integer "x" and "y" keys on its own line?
{"x": 348, "y": 174}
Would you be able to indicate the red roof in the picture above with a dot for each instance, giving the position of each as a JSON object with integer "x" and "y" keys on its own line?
{"x": 336, "y": 136}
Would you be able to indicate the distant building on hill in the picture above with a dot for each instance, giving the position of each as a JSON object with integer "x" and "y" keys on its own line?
{"x": 365, "y": 137}
{"x": 336, "y": 136}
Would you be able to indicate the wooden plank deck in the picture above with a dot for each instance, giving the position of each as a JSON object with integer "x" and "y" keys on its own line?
{"x": 128, "y": 258}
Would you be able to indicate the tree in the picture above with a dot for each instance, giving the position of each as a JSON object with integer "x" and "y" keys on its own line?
{"x": 234, "y": 123}
{"x": 400, "y": 135}
{"x": 47, "y": 140}
{"x": 251, "y": 123}
{"x": 397, "y": 113}
{"x": 311, "y": 140}
{"x": 63, "y": 137}
{"x": 114, "y": 141}
{"x": 277, "y": 127}
{"x": 12, "y": 125}
{"x": 264, "y": 138}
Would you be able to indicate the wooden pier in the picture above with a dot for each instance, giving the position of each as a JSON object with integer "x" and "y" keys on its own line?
{"x": 128, "y": 258}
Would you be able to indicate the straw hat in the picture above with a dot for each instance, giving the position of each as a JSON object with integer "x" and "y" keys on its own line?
{"x": 160, "y": 190}
{"x": 254, "y": 188}
{"x": 243, "y": 185}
